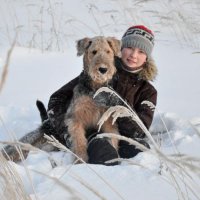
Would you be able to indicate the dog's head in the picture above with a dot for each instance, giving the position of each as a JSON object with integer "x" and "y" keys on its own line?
{"x": 98, "y": 58}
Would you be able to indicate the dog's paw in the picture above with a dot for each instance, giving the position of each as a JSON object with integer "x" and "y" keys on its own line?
{"x": 82, "y": 155}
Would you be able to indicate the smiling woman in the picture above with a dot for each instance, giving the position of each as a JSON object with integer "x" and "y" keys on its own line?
{"x": 133, "y": 58}
{"x": 137, "y": 45}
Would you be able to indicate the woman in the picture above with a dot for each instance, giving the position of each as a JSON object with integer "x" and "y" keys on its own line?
{"x": 135, "y": 69}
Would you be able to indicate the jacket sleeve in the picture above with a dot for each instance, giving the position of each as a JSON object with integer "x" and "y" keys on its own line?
{"x": 130, "y": 128}
{"x": 58, "y": 105}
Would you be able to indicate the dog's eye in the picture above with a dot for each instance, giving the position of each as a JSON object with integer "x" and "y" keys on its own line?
{"x": 94, "y": 52}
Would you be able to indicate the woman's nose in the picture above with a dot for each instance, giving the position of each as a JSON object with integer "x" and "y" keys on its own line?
{"x": 133, "y": 53}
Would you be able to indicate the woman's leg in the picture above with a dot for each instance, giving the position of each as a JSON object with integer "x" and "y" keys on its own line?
{"x": 127, "y": 150}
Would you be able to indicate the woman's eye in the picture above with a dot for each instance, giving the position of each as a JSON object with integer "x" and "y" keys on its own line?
{"x": 140, "y": 51}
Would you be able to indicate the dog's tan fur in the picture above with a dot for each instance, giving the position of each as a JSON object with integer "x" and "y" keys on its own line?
{"x": 83, "y": 112}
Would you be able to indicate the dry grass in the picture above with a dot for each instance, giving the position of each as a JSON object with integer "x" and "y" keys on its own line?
{"x": 57, "y": 144}
{"x": 48, "y": 26}
{"x": 181, "y": 168}
{"x": 57, "y": 181}
{"x": 10, "y": 181}
{"x": 6, "y": 65}
{"x": 18, "y": 146}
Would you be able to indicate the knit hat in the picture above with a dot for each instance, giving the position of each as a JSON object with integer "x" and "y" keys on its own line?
{"x": 139, "y": 37}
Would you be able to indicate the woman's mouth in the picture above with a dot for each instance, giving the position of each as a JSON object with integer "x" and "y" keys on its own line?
{"x": 131, "y": 61}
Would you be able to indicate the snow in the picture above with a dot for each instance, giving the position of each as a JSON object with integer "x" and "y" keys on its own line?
{"x": 35, "y": 74}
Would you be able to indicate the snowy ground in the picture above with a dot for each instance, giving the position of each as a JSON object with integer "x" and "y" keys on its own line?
{"x": 34, "y": 74}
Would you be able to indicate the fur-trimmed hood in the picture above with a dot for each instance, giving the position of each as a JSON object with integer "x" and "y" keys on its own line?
{"x": 149, "y": 71}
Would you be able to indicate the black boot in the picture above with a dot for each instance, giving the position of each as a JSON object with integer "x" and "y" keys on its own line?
{"x": 100, "y": 150}
{"x": 127, "y": 150}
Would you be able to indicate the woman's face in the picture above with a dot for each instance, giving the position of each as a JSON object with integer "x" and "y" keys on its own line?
{"x": 133, "y": 57}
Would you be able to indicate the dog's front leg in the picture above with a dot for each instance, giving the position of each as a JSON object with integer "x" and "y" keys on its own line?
{"x": 108, "y": 127}
{"x": 79, "y": 141}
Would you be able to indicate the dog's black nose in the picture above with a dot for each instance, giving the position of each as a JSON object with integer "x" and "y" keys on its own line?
{"x": 103, "y": 70}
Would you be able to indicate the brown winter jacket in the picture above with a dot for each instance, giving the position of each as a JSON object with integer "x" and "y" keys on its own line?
{"x": 134, "y": 88}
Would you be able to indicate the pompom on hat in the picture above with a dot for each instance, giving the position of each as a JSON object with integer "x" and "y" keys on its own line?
{"x": 139, "y": 37}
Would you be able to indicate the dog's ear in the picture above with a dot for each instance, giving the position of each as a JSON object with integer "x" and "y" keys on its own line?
{"x": 82, "y": 45}
{"x": 115, "y": 45}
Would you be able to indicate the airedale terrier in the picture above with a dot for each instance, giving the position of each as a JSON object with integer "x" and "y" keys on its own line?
{"x": 84, "y": 113}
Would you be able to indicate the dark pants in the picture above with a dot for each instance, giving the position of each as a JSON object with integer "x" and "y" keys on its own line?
{"x": 100, "y": 150}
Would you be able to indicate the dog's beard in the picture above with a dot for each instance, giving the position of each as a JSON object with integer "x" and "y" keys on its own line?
{"x": 101, "y": 78}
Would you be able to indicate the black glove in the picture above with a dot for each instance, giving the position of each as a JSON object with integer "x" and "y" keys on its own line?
{"x": 129, "y": 128}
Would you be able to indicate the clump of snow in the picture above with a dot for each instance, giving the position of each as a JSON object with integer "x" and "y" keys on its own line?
{"x": 171, "y": 129}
